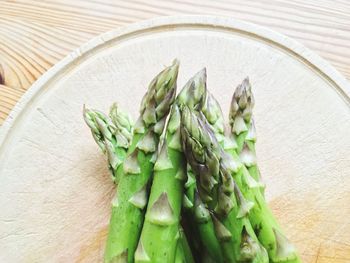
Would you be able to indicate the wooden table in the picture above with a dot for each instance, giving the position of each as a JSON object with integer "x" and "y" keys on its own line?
{"x": 36, "y": 34}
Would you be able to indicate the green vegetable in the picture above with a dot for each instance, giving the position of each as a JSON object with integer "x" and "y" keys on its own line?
{"x": 243, "y": 129}
{"x": 195, "y": 95}
{"x": 135, "y": 173}
{"x": 163, "y": 212}
{"x": 160, "y": 231}
{"x": 264, "y": 223}
{"x": 112, "y": 133}
{"x": 119, "y": 124}
{"x": 226, "y": 216}
{"x": 183, "y": 250}
{"x": 216, "y": 187}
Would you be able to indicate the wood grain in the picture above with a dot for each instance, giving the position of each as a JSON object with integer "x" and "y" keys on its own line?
{"x": 35, "y": 34}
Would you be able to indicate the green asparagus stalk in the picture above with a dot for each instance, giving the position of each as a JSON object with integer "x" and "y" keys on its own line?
{"x": 183, "y": 250}
{"x": 218, "y": 190}
{"x": 160, "y": 231}
{"x": 243, "y": 128}
{"x": 202, "y": 228}
{"x": 164, "y": 205}
{"x": 212, "y": 112}
{"x": 120, "y": 126}
{"x": 112, "y": 133}
{"x": 195, "y": 95}
{"x": 135, "y": 172}
{"x": 201, "y": 213}
{"x": 264, "y": 223}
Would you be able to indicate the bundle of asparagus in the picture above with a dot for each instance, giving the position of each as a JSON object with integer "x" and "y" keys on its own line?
{"x": 187, "y": 192}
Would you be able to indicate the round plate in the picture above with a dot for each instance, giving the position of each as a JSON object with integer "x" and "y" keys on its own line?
{"x": 55, "y": 188}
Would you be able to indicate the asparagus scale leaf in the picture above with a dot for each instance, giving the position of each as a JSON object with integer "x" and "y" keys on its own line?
{"x": 135, "y": 173}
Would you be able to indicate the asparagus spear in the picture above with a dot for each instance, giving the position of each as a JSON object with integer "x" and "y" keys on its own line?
{"x": 163, "y": 211}
{"x": 264, "y": 223}
{"x": 217, "y": 188}
{"x": 183, "y": 250}
{"x": 243, "y": 128}
{"x": 160, "y": 231}
{"x": 120, "y": 126}
{"x": 135, "y": 173}
{"x": 196, "y": 96}
{"x": 112, "y": 133}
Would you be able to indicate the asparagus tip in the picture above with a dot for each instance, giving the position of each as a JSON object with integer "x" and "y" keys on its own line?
{"x": 242, "y": 104}
{"x": 194, "y": 93}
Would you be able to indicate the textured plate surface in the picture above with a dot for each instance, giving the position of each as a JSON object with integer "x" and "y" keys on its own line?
{"x": 55, "y": 189}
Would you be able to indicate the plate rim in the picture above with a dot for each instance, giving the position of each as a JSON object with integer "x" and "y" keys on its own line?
{"x": 297, "y": 49}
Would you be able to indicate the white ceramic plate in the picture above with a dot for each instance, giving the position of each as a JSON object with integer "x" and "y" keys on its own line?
{"x": 55, "y": 190}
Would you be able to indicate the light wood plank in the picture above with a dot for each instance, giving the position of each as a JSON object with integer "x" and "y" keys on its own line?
{"x": 8, "y": 97}
{"x": 34, "y": 34}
